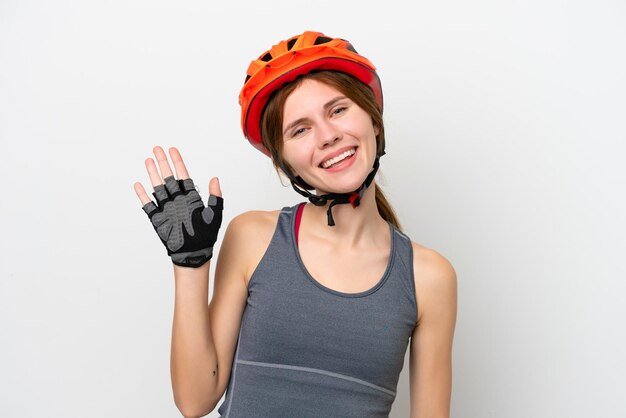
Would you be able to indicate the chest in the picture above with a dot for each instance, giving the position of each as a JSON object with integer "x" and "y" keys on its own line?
{"x": 344, "y": 270}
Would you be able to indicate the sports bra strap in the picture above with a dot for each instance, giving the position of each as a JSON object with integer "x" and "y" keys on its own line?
{"x": 298, "y": 219}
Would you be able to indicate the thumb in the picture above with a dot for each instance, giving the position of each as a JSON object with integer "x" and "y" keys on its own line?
{"x": 214, "y": 187}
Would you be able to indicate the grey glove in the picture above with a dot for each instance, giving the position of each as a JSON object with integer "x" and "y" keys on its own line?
{"x": 186, "y": 227}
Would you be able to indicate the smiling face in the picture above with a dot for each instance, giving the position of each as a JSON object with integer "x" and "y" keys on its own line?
{"x": 273, "y": 115}
{"x": 328, "y": 140}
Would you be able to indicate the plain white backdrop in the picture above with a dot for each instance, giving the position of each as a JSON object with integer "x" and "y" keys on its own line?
{"x": 506, "y": 139}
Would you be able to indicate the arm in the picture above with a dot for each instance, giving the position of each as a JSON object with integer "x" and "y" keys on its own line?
{"x": 431, "y": 342}
{"x": 193, "y": 361}
{"x": 205, "y": 336}
{"x": 196, "y": 356}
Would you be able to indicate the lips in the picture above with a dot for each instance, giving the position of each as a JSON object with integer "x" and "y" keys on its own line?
{"x": 337, "y": 156}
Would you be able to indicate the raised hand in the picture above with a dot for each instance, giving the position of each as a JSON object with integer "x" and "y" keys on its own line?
{"x": 186, "y": 227}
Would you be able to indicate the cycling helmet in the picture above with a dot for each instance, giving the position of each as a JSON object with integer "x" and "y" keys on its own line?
{"x": 287, "y": 60}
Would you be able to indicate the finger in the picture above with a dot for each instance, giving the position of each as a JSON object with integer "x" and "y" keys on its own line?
{"x": 164, "y": 165}
{"x": 179, "y": 165}
{"x": 171, "y": 185}
{"x": 155, "y": 178}
{"x": 160, "y": 193}
{"x": 214, "y": 187}
{"x": 187, "y": 185}
{"x": 141, "y": 193}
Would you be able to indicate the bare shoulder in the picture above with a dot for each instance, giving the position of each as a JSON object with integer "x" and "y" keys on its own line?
{"x": 435, "y": 280}
{"x": 249, "y": 234}
{"x": 431, "y": 264}
{"x": 258, "y": 221}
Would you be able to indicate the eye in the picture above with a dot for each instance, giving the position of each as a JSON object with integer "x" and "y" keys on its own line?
{"x": 339, "y": 110}
{"x": 297, "y": 132}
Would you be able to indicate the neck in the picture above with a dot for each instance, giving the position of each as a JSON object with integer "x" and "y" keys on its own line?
{"x": 351, "y": 224}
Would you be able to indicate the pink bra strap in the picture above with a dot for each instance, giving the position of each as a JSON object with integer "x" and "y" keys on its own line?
{"x": 298, "y": 219}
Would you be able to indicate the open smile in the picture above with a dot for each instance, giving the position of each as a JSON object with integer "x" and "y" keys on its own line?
{"x": 338, "y": 159}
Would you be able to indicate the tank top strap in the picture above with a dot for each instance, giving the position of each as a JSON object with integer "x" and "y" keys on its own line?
{"x": 289, "y": 223}
{"x": 403, "y": 263}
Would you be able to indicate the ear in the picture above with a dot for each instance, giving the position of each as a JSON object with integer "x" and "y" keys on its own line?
{"x": 376, "y": 129}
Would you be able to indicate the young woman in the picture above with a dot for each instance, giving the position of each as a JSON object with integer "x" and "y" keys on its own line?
{"x": 314, "y": 305}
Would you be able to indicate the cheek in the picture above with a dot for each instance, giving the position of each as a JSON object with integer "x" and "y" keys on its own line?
{"x": 295, "y": 157}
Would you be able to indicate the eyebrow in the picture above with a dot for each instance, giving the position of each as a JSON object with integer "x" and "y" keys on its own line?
{"x": 327, "y": 106}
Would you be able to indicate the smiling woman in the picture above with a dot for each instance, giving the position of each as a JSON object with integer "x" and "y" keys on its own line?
{"x": 314, "y": 305}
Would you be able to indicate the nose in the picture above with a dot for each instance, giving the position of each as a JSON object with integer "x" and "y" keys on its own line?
{"x": 328, "y": 134}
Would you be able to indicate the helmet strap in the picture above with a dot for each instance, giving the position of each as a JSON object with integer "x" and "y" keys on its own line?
{"x": 353, "y": 198}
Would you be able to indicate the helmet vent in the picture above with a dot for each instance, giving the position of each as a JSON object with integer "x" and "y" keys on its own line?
{"x": 291, "y": 43}
{"x": 247, "y": 78}
{"x": 351, "y": 48}
{"x": 266, "y": 57}
{"x": 322, "y": 40}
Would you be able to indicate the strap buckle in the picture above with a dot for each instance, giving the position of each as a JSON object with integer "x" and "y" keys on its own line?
{"x": 355, "y": 199}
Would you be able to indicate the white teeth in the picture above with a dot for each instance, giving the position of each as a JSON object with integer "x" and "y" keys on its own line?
{"x": 338, "y": 158}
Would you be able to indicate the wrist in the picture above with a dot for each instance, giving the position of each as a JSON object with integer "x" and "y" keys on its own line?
{"x": 192, "y": 259}
{"x": 192, "y": 273}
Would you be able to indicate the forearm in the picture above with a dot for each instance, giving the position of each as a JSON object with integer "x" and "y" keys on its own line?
{"x": 193, "y": 355}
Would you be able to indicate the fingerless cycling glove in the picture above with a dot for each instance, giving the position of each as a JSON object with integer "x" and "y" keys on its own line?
{"x": 186, "y": 227}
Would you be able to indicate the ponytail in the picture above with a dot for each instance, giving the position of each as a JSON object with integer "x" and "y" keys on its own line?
{"x": 385, "y": 209}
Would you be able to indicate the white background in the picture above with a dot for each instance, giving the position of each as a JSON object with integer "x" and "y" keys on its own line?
{"x": 506, "y": 148}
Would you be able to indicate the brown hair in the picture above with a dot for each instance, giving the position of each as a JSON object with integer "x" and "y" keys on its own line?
{"x": 359, "y": 93}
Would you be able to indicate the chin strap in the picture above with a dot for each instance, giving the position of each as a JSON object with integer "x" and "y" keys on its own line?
{"x": 353, "y": 198}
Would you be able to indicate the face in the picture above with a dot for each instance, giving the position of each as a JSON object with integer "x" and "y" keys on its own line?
{"x": 328, "y": 140}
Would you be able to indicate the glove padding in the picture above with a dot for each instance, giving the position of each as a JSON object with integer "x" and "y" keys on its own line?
{"x": 186, "y": 227}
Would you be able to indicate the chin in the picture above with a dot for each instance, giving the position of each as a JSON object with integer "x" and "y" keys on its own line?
{"x": 347, "y": 186}
{"x": 343, "y": 188}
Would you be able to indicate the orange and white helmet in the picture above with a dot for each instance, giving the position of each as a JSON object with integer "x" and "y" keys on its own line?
{"x": 287, "y": 60}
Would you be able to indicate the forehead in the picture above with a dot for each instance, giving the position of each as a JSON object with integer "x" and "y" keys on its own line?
{"x": 310, "y": 95}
